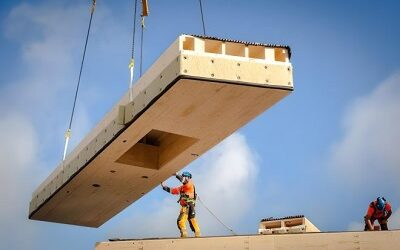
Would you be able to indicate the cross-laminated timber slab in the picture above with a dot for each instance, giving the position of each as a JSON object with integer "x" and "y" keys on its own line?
{"x": 375, "y": 240}
{"x": 196, "y": 94}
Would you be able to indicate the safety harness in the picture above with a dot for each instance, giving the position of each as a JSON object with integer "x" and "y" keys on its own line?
{"x": 186, "y": 198}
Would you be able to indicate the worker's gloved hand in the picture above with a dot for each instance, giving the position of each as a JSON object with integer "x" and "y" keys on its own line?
{"x": 165, "y": 188}
{"x": 178, "y": 176}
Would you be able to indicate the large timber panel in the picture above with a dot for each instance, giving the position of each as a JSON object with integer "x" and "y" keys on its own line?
{"x": 186, "y": 103}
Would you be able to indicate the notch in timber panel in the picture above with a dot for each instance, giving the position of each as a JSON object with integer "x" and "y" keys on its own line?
{"x": 212, "y": 46}
{"x": 156, "y": 149}
{"x": 235, "y": 49}
{"x": 281, "y": 55}
{"x": 273, "y": 224}
{"x": 294, "y": 222}
{"x": 188, "y": 43}
{"x": 257, "y": 52}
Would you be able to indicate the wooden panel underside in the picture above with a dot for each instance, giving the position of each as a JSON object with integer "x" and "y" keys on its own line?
{"x": 194, "y": 116}
{"x": 309, "y": 241}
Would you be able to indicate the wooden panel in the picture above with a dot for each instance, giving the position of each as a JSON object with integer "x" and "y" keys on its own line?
{"x": 205, "y": 111}
{"x": 309, "y": 241}
{"x": 190, "y": 99}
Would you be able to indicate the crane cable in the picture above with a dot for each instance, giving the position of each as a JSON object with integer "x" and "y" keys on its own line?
{"x": 68, "y": 132}
{"x": 230, "y": 229}
{"x": 202, "y": 18}
{"x": 145, "y": 12}
{"x": 132, "y": 61}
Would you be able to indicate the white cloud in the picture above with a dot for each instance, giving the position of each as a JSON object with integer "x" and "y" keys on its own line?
{"x": 224, "y": 181}
{"x": 35, "y": 107}
{"x": 18, "y": 171}
{"x": 368, "y": 150}
{"x": 50, "y": 39}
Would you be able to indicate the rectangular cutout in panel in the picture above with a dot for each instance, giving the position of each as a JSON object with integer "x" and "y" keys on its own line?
{"x": 188, "y": 43}
{"x": 294, "y": 222}
{"x": 141, "y": 155}
{"x": 213, "y": 46}
{"x": 280, "y": 55}
{"x": 235, "y": 49}
{"x": 156, "y": 149}
{"x": 257, "y": 52}
{"x": 273, "y": 224}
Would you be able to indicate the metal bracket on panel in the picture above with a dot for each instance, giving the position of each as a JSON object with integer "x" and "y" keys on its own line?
{"x": 121, "y": 115}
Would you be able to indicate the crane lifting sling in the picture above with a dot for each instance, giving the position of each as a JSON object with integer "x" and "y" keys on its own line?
{"x": 201, "y": 90}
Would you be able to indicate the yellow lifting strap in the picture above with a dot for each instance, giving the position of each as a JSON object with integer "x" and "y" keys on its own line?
{"x": 131, "y": 68}
{"x": 67, "y": 135}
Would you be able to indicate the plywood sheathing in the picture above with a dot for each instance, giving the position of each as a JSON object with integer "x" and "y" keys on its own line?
{"x": 186, "y": 103}
{"x": 307, "y": 241}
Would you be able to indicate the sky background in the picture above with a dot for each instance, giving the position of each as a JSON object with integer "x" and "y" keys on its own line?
{"x": 325, "y": 151}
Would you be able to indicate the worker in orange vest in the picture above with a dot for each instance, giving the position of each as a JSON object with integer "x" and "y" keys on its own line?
{"x": 379, "y": 210}
{"x": 187, "y": 200}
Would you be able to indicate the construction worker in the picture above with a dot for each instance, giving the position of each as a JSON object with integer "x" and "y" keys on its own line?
{"x": 379, "y": 210}
{"x": 187, "y": 200}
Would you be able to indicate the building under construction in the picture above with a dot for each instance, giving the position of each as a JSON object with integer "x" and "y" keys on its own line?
{"x": 200, "y": 91}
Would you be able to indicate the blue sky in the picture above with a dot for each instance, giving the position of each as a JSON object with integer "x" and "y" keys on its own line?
{"x": 325, "y": 151}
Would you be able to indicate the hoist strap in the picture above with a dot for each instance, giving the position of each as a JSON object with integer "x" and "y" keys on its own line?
{"x": 142, "y": 22}
{"x": 67, "y": 135}
{"x": 141, "y": 47}
{"x": 131, "y": 68}
{"x": 131, "y": 65}
{"x": 68, "y": 132}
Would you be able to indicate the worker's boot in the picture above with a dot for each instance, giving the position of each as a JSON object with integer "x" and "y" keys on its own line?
{"x": 195, "y": 227}
{"x": 183, "y": 233}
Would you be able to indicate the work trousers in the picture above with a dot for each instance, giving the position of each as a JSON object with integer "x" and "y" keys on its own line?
{"x": 188, "y": 213}
{"x": 384, "y": 226}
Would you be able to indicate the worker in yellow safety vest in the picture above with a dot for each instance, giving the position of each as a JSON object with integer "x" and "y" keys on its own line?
{"x": 187, "y": 200}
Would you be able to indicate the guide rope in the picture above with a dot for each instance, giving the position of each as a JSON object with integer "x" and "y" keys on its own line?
{"x": 230, "y": 229}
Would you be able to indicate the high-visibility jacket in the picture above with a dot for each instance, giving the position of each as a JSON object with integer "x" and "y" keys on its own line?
{"x": 373, "y": 212}
{"x": 187, "y": 193}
